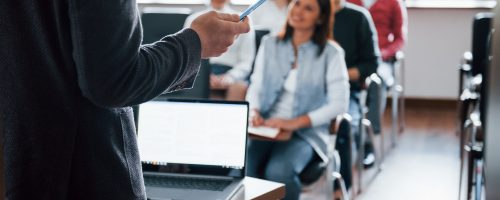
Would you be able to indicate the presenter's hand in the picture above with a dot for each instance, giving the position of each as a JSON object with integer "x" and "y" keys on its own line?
{"x": 217, "y": 31}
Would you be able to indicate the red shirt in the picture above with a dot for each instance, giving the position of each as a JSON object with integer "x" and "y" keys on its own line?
{"x": 389, "y": 18}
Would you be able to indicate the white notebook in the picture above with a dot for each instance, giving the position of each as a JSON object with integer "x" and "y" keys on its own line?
{"x": 264, "y": 131}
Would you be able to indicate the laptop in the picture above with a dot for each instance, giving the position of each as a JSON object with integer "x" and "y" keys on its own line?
{"x": 193, "y": 149}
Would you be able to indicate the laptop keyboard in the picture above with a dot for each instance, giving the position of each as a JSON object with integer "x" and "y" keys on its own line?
{"x": 186, "y": 183}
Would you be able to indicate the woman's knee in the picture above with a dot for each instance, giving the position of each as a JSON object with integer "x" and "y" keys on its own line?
{"x": 283, "y": 172}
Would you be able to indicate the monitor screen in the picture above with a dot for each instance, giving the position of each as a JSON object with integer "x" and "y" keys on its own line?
{"x": 192, "y": 135}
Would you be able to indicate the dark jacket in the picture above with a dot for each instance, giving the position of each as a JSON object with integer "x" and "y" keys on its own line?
{"x": 356, "y": 34}
{"x": 68, "y": 69}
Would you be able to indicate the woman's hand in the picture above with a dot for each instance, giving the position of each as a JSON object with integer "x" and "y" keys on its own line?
{"x": 220, "y": 81}
{"x": 255, "y": 118}
{"x": 289, "y": 124}
{"x": 283, "y": 124}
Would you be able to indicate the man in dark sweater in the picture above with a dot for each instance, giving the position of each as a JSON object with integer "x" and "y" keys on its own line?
{"x": 68, "y": 71}
{"x": 355, "y": 32}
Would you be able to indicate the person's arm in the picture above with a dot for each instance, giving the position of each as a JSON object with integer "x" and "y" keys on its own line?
{"x": 369, "y": 54}
{"x": 337, "y": 89}
{"x": 114, "y": 70}
{"x": 246, "y": 55}
{"x": 398, "y": 28}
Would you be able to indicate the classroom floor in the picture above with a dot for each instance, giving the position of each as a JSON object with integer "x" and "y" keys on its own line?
{"x": 425, "y": 162}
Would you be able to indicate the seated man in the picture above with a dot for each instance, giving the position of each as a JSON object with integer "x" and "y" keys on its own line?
{"x": 354, "y": 31}
{"x": 234, "y": 66}
{"x": 389, "y": 17}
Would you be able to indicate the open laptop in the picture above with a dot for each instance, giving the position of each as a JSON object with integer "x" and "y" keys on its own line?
{"x": 193, "y": 149}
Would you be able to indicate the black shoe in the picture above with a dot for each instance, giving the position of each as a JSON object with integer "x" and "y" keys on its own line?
{"x": 369, "y": 160}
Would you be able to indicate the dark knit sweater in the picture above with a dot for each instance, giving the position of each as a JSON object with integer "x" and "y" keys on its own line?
{"x": 68, "y": 68}
{"x": 356, "y": 34}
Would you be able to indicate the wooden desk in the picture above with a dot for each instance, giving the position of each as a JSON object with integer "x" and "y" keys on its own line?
{"x": 258, "y": 189}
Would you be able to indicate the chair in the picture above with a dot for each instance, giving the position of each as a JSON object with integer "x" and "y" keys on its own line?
{"x": 474, "y": 66}
{"x": 398, "y": 100}
{"x": 373, "y": 84}
{"x": 319, "y": 176}
{"x": 473, "y": 94}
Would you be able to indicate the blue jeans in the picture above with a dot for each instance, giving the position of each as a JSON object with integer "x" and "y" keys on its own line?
{"x": 280, "y": 162}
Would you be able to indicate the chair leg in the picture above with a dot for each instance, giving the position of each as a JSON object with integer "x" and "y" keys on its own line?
{"x": 340, "y": 181}
{"x": 394, "y": 115}
{"x": 360, "y": 156}
{"x": 371, "y": 134}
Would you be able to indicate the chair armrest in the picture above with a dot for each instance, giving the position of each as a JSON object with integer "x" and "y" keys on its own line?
{"x": 373, "y": 78}
{"x": 338, "y": 121}
{"x": 399, "y": 56}
{"x": 467, "y": 58}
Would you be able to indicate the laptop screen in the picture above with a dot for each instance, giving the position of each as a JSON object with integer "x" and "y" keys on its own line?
{"x": 193, "y": 136}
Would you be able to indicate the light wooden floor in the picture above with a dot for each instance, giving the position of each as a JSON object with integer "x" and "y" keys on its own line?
{"x": 425, "y": 162}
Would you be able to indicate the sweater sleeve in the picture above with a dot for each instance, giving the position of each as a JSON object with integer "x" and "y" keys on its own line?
{"x": 113, "y": 69}
{"x": 337, "y": 89}
{"x": 369, "y": 54}
{"x": 398, "y": 29}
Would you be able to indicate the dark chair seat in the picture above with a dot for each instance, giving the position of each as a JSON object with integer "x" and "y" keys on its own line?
{"x": 313, "y": 171}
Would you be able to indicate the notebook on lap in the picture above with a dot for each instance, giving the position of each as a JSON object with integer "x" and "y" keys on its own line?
{"x": 193, "y": 149}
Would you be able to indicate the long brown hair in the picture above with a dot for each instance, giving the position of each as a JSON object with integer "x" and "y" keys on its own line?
{"x": 322, "y": 31}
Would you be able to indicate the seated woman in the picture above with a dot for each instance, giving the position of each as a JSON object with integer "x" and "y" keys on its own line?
{"x": 299, "y": 85}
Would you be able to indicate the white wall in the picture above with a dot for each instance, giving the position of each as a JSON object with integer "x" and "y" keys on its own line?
{"x": 438, "y": 37}
{"x": 437, "y": 40}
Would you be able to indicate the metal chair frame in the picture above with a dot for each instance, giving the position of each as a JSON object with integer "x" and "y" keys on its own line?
{"x": 367, "y": 131}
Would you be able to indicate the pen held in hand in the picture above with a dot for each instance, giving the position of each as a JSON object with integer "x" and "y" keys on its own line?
{"x": 251, "y": 9}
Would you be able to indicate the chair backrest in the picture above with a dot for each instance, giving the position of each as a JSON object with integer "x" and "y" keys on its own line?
{"x": 159, "y": 22}
{"x": 481, "y": 48}
{"x": 259, "y": 34}
{"x": 374, "y": 89}
{"x": 481, "y": 31}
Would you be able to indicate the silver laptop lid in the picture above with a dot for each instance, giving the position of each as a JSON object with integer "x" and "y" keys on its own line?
{"x": 197, "y": 137}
